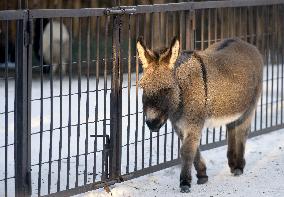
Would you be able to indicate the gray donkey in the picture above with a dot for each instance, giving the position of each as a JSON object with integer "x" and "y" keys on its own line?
{"x": 218, "y": 86}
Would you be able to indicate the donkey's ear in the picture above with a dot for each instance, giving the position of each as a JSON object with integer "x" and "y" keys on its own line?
{"x": 170, "y": 56}
{"x": 175, "y": 48}
{"x": 144, "y": 54}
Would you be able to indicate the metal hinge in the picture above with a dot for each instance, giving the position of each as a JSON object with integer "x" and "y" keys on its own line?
{"x": 28, "y": 33}
{"x": 119, "y": 11}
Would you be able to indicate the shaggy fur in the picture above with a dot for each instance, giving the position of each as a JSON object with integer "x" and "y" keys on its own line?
{"x": 220, "y": 85}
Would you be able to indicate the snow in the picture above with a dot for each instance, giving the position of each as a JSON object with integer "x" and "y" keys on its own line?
{"x": 263, "y": 175}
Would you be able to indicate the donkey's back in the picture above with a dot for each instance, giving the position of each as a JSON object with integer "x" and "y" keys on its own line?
{"x": 234, "y": 78}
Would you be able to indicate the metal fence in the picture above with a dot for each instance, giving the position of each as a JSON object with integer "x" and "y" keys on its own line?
{"x": 65, "y": 132}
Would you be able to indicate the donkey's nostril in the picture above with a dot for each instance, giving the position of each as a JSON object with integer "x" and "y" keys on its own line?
{"x": 153, "y": 124}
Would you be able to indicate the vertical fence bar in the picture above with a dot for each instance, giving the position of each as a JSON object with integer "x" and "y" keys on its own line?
{"x": 266, "y": 62}
{"x": 104, "y": 152}
{"x": 97, "y": 94}
{"x": 208, "y": 44}
{"x": 263, "y": 51}
{"x": 187, "y": 28}
{"x": 214, "y": 131}
{"x": 137, "y": 24}
{"x": 165, "y": 143}
{"x": 192, "y": 29}
{"x": 136, "y": 93}
{"x": 116, "y": 100}
{"x": 172, "y": 144}
{"x": 209, "y": 27}
{"x": 158, "y": 133}
{"x": 70, "y": 100}
{"x": 173, "y": 20}
{"x": 29, "y": 83}
{"x": 222, "y": 22}
{"x": 96, "y": 117}
{"x": 257, "y": 46}
{"x": 181, "y": 24}
{"x": 166, "y": 42}
{"x": 41, "y": 107}
{"x": 128, "y": 92}
{"x": 277, "y": 62}
{"x": 143, "y": 140}
{"x": 136, "y": 109}
{"x": 167, "y": 29}
{"x": 152, "y": 46}
{"x": 215, "y": 25}
{"x": 282, "y": 67}
{"x": 51, "y": 108}
{"x": 220, "y": 133}
{"x": 234, "y": 22}
{"x": 60, "y": 109}
{"x": 28, "y": 44}
{"x": 22, "y": 112}
{"x": 87, "y": 101}
{"x": 271, "y": 56}
{"x": 79, "y": 101}
{"x": 202, "y": 29}
{"x": 261, "y": 35}
{"x": 6, "y": 106}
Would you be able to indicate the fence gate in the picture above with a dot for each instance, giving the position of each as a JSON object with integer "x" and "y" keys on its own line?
{"x": 71, "y": 117}
{"x": 76, "y": 102}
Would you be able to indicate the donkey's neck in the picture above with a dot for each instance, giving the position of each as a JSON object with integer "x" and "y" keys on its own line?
{"x": 177, "y": 110}
{"x": 190, "y": 76}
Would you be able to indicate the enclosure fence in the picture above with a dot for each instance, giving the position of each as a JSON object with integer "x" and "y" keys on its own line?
{"x": 71, "y": 116}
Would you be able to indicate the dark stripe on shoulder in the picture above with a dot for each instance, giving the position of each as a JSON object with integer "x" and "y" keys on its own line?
{"x": 204, "y": 74}
{"x": 225, "y": 43}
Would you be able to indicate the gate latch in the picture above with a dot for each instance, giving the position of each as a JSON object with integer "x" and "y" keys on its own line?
{"x": 119, "y": 11}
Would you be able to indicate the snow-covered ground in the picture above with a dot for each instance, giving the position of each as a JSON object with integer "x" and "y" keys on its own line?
{"x": 263, "y": 175}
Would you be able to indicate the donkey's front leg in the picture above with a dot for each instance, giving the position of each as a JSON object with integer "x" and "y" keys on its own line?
{"x": 190, "y": 143}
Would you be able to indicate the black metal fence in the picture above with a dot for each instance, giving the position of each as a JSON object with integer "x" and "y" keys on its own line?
{"x": 71, "y": 115}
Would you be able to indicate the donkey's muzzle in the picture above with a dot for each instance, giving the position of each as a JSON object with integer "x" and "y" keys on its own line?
{"x": 154, "y": 124}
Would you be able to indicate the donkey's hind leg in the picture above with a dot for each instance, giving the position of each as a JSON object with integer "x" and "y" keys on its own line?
{"x": 237, "y": 136}
{"x": 200, "y": 167}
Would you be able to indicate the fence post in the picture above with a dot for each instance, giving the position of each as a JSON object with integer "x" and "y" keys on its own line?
{"x": 116, "y": 101}
{"x": 22, "y": 113}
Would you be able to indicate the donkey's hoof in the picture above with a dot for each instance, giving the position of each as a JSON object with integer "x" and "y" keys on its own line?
{"x": 202, "y": 180}
{"x": 237, "y": 172}
{"x": 185, "y": 188}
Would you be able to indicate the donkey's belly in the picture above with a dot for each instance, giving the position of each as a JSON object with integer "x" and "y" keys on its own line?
{"x": 218, "y": 121}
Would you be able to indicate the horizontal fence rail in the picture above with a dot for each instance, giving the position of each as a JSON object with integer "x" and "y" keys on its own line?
{"x": 71, "y": 117}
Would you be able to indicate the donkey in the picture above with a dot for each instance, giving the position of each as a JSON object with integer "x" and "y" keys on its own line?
{"x": 218, "y": 86}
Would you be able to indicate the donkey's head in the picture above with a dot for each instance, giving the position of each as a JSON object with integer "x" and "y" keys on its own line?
{"x": 160, "y": 89}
